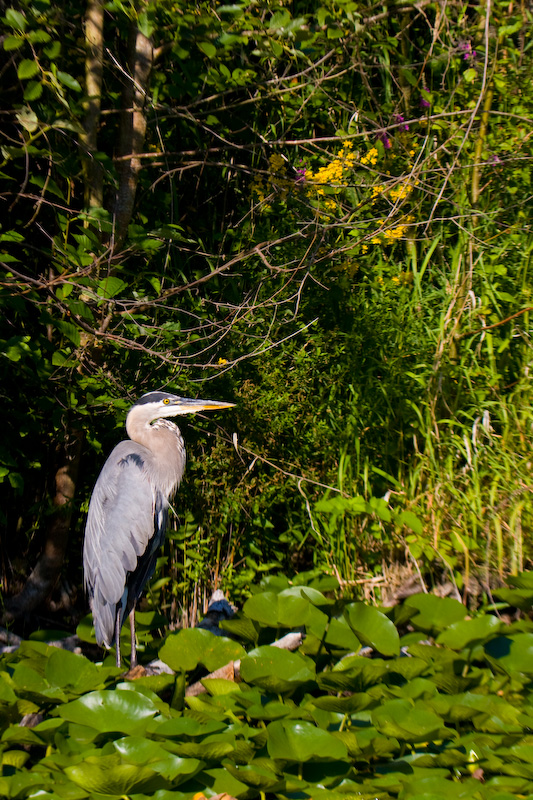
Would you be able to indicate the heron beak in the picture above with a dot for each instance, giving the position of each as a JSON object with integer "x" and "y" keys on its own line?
{"x": 189, "y": 406}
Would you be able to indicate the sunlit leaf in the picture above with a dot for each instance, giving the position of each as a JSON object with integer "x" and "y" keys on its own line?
{"x": 116, "y": 710}
{"x": 277, "y": 670}
{"x": 469, "y": 632}
{"x": 187, "y": 648}
{"x": 435, "y": 614}
{"x": 295, "y": 740}
{"x": 373, "y": 628}
{"x": 27, "y": 68}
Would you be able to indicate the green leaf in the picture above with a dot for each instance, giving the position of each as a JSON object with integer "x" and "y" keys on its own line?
{"x": 68, "y": 81}
{"x": 33, "y": 91}
{"x": 68, "y": 329}
{"x": 13, "y": 42}
{"x": 470, "y": 632}
{"x": 107, "y": 775}
{"x": 300, "y": 741}
{"x": 435, "y": 614}
{"x": 72, "y": 672}
{"x": 408, "y": 723}
{"x": 27, "y": 68}
{"x": 110, "y": 287}
{"x": 520, "y": 598}
{"x": 117, "y": 710}
{"x": 189, "y": 647}
{"x": 277, "y": 670}
{"x": 411, "y": 521}
{"x": 512, "y": 653}
{"x": 373, "y": 628}
{"x": 28, "y": 119}
{"x": 15, "y": 19}
{"x": 208, "y": 49}
{"x": 184, "y": 728}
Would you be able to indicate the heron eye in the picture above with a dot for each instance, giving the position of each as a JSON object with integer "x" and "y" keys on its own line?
{"x": 166, "y": 401}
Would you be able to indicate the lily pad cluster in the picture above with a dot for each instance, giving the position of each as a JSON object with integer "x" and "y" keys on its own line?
{"x": 421, "y": 701}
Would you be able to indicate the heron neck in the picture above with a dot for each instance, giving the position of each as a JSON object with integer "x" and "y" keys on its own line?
{"x": 165, "y": 444}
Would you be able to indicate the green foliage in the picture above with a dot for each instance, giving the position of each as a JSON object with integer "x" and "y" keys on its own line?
{"x": 447, "y": 715}
{"x": 329, "y": 227}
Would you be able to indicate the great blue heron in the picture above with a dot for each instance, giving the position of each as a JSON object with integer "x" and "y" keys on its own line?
{"x": 128, "y": 511}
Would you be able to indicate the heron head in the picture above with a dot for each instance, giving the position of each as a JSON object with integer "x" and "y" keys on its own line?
{"x": 154, "y": 405}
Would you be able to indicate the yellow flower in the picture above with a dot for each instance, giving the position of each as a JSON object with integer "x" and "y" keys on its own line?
{"x": 222, "y": 361}
{"x": 277, "y": 163}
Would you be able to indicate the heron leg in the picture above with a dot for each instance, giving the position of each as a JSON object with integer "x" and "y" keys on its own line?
{"x": 133, "y": 658}
{"x": 117, "y": 637}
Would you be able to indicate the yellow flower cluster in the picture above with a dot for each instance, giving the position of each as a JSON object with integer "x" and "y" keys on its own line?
{"x": 402, "y": 190}
{"x": 276, "y": 179}
{"x": 371, "y": 157}
{"x": 334, "y": 172}
{"x": 391, "y": 235}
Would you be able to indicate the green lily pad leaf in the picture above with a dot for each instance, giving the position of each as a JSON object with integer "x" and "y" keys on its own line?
{"x": 373, "y": 628}
{"x": 16, "y": 734}
{"x": 269, "y": 711}
{"x": 184, "y": 650}
{"x": 241, "y": 626}
{"x": 469, "y": 632}
{"x": 512, "y": 653}
{"x": 72, "y": 672}
{"x": 353, "y": 673}
{"x": 257, "y": 775}
{"x": 297, "y": 740}
{"x": 22, "y": 784}
{"x": 408, "y": 723}
{"x": 206, "y": 750}
{"x": 33, "y": 686}
{"x": 182, "y": 727}
{"x": 7, "y": 695}
{"x": 138, "y": 749}
{"x": 146, "y": 752}
{"x": 435, "y": 614}
{"x": 524, "y": 580}
{"x": 344, "y": 705}
{"x": 265, "y": 608}
{"x": 341, "y": 636}
{"x": 408, "y": 668}
{"x": 262, "y": 608}
{"x": 117, "y": 710}
{"x": 176, "y": 769}
{"x": 518, "y": 598}
{"x": 107, "y": 775}
{"x": 277, "y": 670}
{"x": 220, "y": 781}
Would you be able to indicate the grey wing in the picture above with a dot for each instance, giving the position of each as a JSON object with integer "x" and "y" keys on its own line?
{"x": 120, "y": 524}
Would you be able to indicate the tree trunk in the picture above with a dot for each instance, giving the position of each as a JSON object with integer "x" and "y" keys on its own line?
{"x": 48, "y": 569}
{"x": 94, "y": 60}
{"x": 132, "y": 129}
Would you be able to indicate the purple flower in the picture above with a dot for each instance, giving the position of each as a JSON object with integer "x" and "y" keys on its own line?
{"x": 466, "y": 48}
{"x": 300, "y": 174}
{"x": 424, "y": 102}
{"x": 384, "y": 139}
{"x": 398, "y": 118}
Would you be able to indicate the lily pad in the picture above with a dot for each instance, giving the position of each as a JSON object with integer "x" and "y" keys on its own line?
{"x": 117, "y": 710}
{"x": 373, "y": 628}
{"x": 277, "y": 670}
{"x": 190, "y": 647}
{"x": 297, "y": 740}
